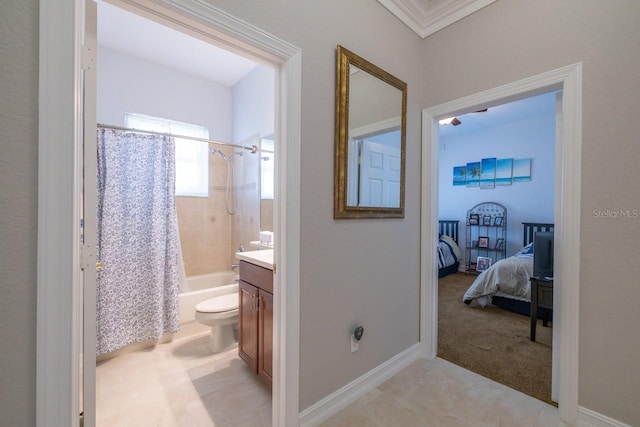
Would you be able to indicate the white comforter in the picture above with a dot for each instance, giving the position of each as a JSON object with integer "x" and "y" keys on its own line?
{"x": 509, "y": 276}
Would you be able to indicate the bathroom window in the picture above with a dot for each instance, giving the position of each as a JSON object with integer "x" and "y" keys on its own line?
{"x": 192, "y": 157}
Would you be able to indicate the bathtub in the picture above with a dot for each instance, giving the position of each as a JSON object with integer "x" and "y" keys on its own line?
{"x": 200, "y": 288}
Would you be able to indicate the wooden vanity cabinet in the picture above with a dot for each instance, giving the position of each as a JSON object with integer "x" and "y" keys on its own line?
{"x": 255, "y": 340}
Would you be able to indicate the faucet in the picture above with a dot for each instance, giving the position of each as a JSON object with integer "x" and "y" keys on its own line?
{"x": 240, "y": 248}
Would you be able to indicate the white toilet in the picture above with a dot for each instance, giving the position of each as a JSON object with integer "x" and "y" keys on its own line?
{"x": 221, "y": 314}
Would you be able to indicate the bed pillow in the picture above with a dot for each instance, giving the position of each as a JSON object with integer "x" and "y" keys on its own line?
{"x": 448, "y": 240}
{"x": 527, "y": 250}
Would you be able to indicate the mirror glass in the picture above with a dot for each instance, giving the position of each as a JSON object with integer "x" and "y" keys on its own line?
{"x": 266, "y": 182}
{"x": 370, "y": 140}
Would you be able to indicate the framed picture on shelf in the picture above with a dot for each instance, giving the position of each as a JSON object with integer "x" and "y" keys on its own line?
{"x": 486, "y": 220}
{"x": 474, "y": 219}
{"x": 483, "y": 263}
{"x": 473, "y": 265}
{"x": 499, "y": 243}
{"x": 483, "y": 242}
{"x": 497, "y": 220}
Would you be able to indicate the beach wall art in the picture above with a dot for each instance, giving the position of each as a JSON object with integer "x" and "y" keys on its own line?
{"x": 491, "y": 172}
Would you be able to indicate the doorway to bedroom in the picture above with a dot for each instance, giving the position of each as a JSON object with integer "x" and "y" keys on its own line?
{"x": 496, "y": 176}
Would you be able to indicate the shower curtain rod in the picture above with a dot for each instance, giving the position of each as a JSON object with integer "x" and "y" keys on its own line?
{"x": 253, "y": 148}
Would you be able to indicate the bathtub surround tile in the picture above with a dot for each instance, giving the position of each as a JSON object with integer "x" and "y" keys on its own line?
{"x": 204, "y": 227}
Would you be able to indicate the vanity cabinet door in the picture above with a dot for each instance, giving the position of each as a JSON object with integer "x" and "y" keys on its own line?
{"x": 255, "y": 341}
{"x": 265, "y": 336}
{"x": 248, "y": 325}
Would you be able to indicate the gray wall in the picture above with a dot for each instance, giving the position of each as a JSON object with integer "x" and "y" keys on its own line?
{"x": 18, "y": 209}
{"x": 368, "y": 271}
{"x": 355, "y": 271}
{"x": 513, "y": 39}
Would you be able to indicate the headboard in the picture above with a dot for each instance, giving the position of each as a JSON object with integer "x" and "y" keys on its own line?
{"x": 530, "y": 228}
{"x": 449, "y": 227}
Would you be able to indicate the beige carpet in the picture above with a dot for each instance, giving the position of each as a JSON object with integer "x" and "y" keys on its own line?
{"x": 493, "y": 342}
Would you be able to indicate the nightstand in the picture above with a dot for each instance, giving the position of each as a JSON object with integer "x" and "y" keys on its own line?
{"x": 542, "y": 297}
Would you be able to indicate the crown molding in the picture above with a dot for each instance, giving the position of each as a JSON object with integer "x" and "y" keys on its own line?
{"x": 426, "y": 17}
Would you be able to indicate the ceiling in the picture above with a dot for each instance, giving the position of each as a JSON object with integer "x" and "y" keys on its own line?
{"x": 142, "y": 38}
{"x": 134, "y": 35}
{"x": 504, "y": 114}
{"x": 425, "y": 17}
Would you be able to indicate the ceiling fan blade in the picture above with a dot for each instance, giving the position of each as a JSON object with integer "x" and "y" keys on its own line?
{"x": 455, "y": 121}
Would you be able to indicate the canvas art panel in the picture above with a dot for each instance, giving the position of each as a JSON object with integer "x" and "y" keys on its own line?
{"x": 488, "y": 173}
{"x": 474, "y": 170}
{"x": 521, "y": 170}
{"x": 459, "y": 175}
{"x": 504, "y": 168}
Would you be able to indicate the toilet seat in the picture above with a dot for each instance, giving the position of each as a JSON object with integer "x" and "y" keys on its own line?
{"x": 219, "y": 304}
{"x": 221, "y": 314}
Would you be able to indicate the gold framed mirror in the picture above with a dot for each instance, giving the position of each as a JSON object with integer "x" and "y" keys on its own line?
{"x": 370, "y": 139}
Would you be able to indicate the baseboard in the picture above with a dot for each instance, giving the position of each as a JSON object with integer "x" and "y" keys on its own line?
{"x": 589, "y": 418}
{"x": 340, "y": 399}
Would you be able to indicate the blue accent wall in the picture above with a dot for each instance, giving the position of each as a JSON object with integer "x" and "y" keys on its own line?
{"x": 527, "y": 130}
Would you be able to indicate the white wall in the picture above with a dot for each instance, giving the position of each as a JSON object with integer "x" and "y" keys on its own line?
{"x": 253, "y": 104}
{"x": 129, "y": 84}
{"x": 514, "y": 39}
{"x": 532, "y": 201}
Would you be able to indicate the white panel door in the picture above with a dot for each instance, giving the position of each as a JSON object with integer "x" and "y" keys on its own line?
{"x": 379, "y": 175}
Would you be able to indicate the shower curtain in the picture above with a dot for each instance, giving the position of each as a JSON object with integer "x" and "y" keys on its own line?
{"x": 138, "y": 243}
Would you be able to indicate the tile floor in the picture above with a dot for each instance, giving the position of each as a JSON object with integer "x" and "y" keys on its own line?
{"x": 182, "y": 384}
{"x": 440, "y": 394}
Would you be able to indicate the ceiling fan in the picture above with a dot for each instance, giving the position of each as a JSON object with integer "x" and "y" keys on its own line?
{"x": 455, "y": 121}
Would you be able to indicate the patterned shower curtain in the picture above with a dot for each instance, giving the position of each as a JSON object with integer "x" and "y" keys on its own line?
{"x": 138, "y": 243}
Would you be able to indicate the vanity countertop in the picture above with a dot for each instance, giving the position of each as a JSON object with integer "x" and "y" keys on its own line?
{"x": 263, "y": 258}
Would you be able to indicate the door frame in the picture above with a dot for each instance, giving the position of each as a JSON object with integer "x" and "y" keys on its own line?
{"x": 59, "y": 297}
{"x": 566, "y": 213}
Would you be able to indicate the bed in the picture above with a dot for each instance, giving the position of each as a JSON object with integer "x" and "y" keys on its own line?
{"x": 506, "y": 283}
{"x": 448, "y": 251}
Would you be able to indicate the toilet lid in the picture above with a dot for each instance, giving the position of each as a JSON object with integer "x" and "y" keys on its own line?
{"x": 218, "y": 304}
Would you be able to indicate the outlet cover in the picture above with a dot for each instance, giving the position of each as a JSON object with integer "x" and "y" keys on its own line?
{"x": 355, "y": 345}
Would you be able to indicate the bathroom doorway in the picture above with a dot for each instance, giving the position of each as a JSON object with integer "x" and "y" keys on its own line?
{"x": 285, "y": 61}
{"x": 157, "y": 78}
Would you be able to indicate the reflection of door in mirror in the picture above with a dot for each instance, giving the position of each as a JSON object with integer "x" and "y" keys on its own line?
{"x": 379, "y": 175}
{"x": 374, "y": 171}
{"x": 266, "y": 182}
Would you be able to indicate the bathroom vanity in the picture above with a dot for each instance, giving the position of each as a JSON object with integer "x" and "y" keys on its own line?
{"x": 255, "y": 329}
